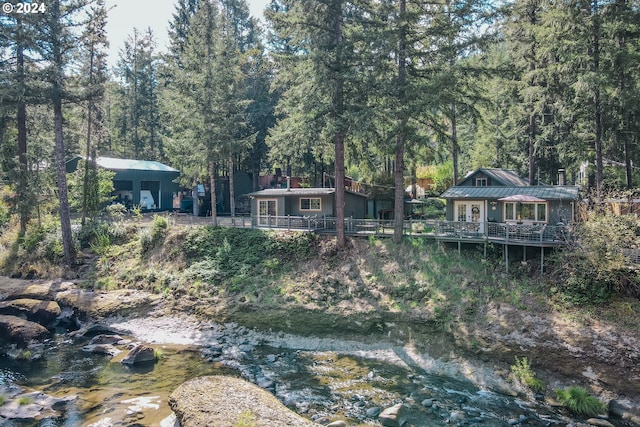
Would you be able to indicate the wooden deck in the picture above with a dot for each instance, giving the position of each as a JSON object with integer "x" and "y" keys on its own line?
{"x": 532, "y": 235}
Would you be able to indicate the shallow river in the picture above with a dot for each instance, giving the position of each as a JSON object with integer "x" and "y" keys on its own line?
{"x": 318, "y": 378}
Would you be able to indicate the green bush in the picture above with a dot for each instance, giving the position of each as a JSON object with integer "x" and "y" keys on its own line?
{"x": 234, "y": 257}
{"x": 579, "y": 401}
{"x": 523, "y": 373}
{"x": 116, "y": 212}
{"x": 597, "y": 268}
{"x": 159, "y": 228}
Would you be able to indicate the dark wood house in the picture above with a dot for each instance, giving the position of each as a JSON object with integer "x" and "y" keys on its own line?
{"x": 280, "y": 202}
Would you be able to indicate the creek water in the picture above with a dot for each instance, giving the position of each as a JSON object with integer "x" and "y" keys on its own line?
{"x": 320, "y": 379}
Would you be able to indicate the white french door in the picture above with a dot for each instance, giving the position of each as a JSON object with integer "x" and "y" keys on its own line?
{"x": 470, "y": 211}
{"x": 266, "y": 208}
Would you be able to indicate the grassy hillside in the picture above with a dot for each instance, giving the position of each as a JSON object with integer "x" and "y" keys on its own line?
{"x": 303, "y": 270}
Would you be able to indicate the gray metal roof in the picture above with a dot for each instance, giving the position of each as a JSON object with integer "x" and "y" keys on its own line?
{"x": 505, "y": 177}
{"x": 550, "y": 192}
{"x": 112, "y": 163}
{"x": 277, "y": 192}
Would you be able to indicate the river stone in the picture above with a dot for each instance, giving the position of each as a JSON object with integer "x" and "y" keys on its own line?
{"x": 42, "y": 312}
{"x": 140, "y": 353}
{"x": 21, "y": 332}
{"x": 338, "y": 423}
{"x": 226, "y": 402}
{"x": 105, "y": 339}
{"x": 374, "y": 411}
{"x": 625, "y": 412}
{"x": 39, "y": 406}
{"x": 599, "y": 422}
{"x": 394, "y": 416}
{"x": 102, "y": 349}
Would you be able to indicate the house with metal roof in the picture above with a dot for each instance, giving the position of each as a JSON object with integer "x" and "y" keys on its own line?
{"x": 283, "y": 202}
{"x": 146, "y": 183}
{"x": 501, "y": 196}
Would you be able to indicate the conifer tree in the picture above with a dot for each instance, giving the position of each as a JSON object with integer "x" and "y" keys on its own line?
{"x": 94, "y": 70}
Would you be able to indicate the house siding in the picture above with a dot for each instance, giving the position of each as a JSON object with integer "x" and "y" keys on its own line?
{"x": 560, "y": 211}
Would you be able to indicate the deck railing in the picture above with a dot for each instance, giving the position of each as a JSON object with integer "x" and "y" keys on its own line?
{"x": 504, "y": 232}
{"x": 535, "y": 234}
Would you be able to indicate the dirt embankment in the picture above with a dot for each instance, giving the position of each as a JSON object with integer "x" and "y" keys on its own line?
{"x": 375, "y": 292}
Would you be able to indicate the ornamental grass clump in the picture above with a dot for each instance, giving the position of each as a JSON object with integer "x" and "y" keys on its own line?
{"x": 579, "y": 401}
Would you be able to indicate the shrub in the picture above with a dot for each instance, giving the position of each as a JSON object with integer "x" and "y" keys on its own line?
{"x": 159, "y": 228}
{"x": 116, "y": 212}
{"x": 579, "y": 401}
{"x": 235, "y": 257}
{"x": 523, "y": 373}
{"x": 598, "y": 267}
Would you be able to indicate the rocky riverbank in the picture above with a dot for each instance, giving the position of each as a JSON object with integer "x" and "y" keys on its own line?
{"x": 601, "y": 359}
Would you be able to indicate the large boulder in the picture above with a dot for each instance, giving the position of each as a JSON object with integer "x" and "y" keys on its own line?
{"x": 139, "y": 354}
{"x": 227, "y": 402}
{"x": 40, "y": 290}
{"x": 33, "y": 406}
{"x": 96, "y": 305}
{"x": 20, "y": 331}
{"x": 42, "y": 312}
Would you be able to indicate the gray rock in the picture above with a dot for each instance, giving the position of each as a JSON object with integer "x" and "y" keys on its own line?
{"x": 271, "y": 358}
{"x": 39, "y": 406}
{"x": 338, "y": 423}
{"x": 427, "y": 403}
{"x": 102, "y": 349}
{"x": 624, "y": 411}
{"x": 320, "y": 419}
{"x": 394, "y": 416}
{"x": 374, "y": 412}
{"x": 222, "y": 401}
{"x": 139, "y": 354}
{"x": 599, "y": 422}
{"x": 105, "y": 339}
{"x": 265, "y": 383}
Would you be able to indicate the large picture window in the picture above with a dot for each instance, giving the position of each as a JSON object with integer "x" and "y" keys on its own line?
{"x": 530, "y": 212}
{"x": 310, "y": 204}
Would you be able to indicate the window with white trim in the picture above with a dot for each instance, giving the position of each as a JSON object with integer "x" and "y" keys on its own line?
{"x": 310, "y": 204}
{"x": 481, "y": 182}
{"x": 531, "y": 212}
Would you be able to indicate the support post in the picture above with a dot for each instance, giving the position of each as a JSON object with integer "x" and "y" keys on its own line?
{"x": 541, "y": 259}
{"x": 506, "y": 258}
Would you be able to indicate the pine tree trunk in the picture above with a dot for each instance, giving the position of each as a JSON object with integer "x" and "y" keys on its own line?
{"x": 338, "y": 138}
{"x": 597, "y": 113}
{"x": 454, "y": 142}
{"x": 532, "y": 136}
{"x": 23, "y": 207}
{"x": 85, "y": 183}
{"x": 214, "y": 199}
{"x": 56, "y": 92}
{"x": 232, "y": 193}
{"x": 398, "y": 213}
{"x": 339, "y": 164}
